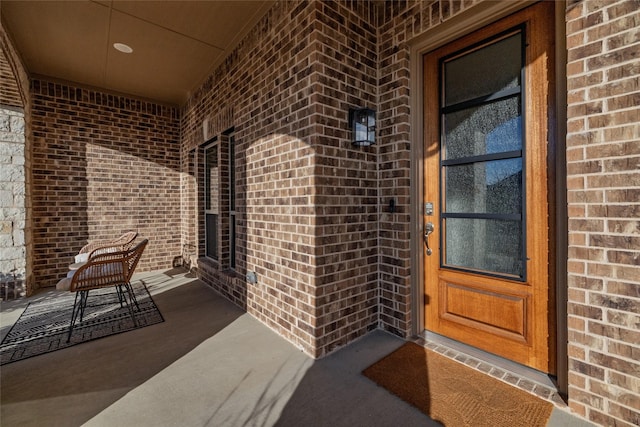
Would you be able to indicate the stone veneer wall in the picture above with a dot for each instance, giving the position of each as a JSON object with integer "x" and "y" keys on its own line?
{"x": 13, "y": 257}
{"x": 603, "y": 181}
{"x": 15, "y": 264}
{"x": 103, "y": 164}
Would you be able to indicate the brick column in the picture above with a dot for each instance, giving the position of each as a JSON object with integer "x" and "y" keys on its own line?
{"x": 603, "y": 183}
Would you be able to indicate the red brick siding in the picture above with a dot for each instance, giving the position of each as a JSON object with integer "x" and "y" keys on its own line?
{"x": 9, "y": 90}
{"x": 307, "y": 201}
{"x": 102, "y": 164}
{"x": 603, "y": 158}
{"x": 399, "y": 22}
{"x": 262, "y": 92}
{"x": 345, "y": 177}
{"x": 601, "y": 168}
{"x": 331, "y": 261}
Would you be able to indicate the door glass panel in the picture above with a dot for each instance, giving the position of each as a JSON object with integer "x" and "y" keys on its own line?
{"x": 484, "y": 71}
{"x": 482, "y": 176}
{"x": 488, "y": 245}
{"x": 485, "y": 187}
{"x": 485, "y": 129}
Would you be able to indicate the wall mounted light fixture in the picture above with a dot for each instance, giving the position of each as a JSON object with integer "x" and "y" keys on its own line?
{"x": 363, "y": 126}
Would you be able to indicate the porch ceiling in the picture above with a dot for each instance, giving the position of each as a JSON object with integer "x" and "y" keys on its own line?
{"x": 176, "y": 44}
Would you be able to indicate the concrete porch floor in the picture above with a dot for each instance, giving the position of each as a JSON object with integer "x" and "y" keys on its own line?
{"x": 207, "y": 364}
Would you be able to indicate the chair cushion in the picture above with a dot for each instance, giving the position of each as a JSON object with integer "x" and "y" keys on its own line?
{"x": 82, "y": 257}
{"x": 64, "y": 284}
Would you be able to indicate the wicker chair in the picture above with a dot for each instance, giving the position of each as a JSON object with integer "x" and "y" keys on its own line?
{"x": 102, "y": 271}
{"x": 122, "y": 243}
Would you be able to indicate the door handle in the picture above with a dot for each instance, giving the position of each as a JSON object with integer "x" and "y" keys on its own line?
{"x": 428, "y": 229}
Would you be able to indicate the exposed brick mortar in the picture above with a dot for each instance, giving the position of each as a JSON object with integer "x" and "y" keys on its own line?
{"x": 324, "y": 225}
{"x": 603, "y": 156}
{"x": 102, "y": 164}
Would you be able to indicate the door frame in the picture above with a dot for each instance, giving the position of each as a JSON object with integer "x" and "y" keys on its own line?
{"x": 466, "y": 22}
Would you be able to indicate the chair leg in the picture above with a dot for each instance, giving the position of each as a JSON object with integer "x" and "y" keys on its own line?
{"x": 79, "y": 303}
{"x": 84, "y": 295}
{"x": 120, "y": 295}
{"x": 129, "y": 286}
{"x": 130, "y": 302}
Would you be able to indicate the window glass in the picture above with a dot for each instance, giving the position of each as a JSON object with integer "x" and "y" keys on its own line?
{"x": 485, "y": 187}
{"x": 211, "y": 200}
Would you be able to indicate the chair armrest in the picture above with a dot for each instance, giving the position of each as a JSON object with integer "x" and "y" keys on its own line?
{"x": 123, "y": 242}
{"x": 92, "y": 246}
{"x": 112, "y": 253}
{"x": 105, "y": 249}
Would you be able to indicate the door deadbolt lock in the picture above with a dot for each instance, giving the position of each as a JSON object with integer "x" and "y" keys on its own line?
{"x": 428, "y": 209}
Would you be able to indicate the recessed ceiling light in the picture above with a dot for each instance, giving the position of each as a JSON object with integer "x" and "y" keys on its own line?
{"x": 123, "y": 47}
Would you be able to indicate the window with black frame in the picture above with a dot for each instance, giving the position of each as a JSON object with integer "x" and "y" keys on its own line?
{"x": 211, "y": 199}
{"x": 219, "y": 180}
{"x": 229, "y": 140}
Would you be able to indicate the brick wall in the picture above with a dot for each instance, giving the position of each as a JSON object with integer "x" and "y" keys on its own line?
{"x": 399, "y": 23}
{"x": 345, "y": 176}
{"x": 252, "y": 92}
{"x": 307, "y": 201}
{"x": 326, "y": 295}
{"x": 102, "y": 164}
{"x": 9, "y": 88}
{"x": 603, "y": 163}
{"x": 313, "y": 220}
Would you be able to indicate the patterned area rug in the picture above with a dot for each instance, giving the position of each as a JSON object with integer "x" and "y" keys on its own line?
{"x": 454, "y": 394}
{"x": 44, "y": 325}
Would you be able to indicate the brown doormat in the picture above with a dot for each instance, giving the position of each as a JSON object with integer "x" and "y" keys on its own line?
{"x": 454, "y": 394}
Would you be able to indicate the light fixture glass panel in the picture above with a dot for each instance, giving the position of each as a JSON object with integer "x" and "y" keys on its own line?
{"x": 363, "y": 124}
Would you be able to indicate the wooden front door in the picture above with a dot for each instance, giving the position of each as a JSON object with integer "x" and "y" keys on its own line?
{"x": 487, "y": 214}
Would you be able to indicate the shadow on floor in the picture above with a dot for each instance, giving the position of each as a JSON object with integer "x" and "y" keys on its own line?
{"x": 334, "y": 393}
{"x": 207, "y": 364}
{"x": 70, "y": 386}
